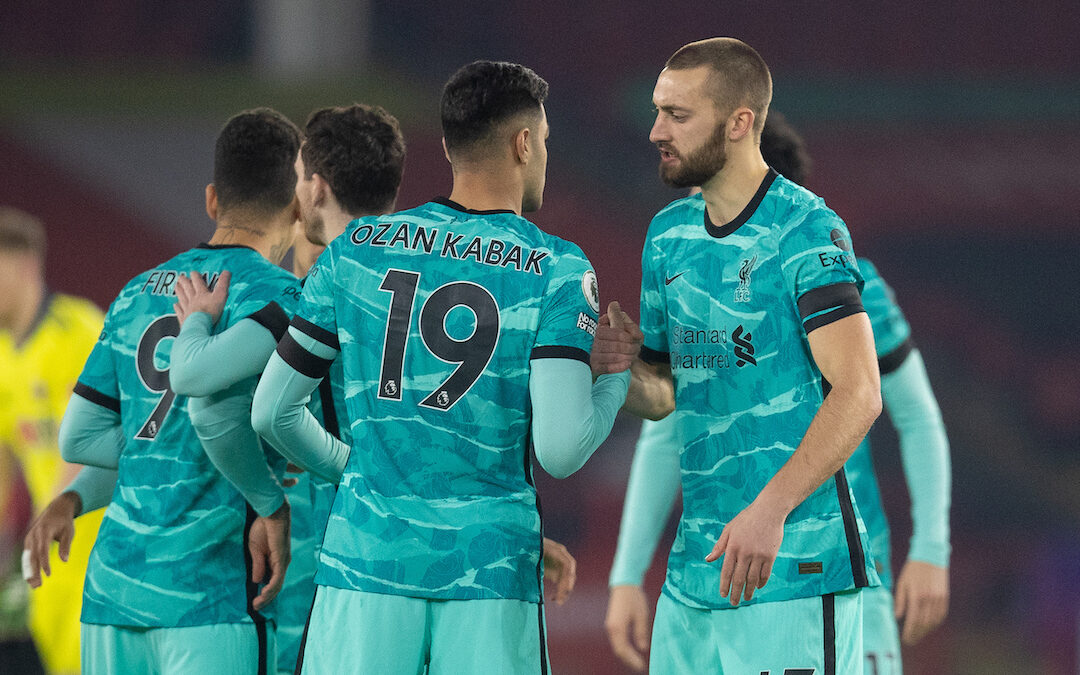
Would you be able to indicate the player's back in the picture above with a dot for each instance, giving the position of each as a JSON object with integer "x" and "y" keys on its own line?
{"x": 438, "y": 310}
{"x": 170, "y": 551}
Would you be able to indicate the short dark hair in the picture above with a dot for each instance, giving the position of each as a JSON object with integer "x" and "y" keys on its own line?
{"x": 360, "y": 152}
{"x": 254, "y": 161}
{"x": 21, "y": 232}
{"x": 784, "y": 150}
{"x": 482, "y": 95}
{"x": 740, "y": 76}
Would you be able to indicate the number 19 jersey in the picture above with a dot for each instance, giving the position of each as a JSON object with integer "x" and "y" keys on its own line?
{"x": 171, "y": 551}
{"x": 437, "y": 312}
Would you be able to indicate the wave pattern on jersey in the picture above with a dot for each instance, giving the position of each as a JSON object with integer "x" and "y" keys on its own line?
{"x": 723, "y": 306}
{"x": 437, "y": 498}
{"x": 170, "y": 548}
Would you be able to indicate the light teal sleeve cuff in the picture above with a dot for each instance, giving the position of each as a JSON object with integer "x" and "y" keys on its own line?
{"x": 90, "y": 434}
{"x": 223, "y": 424}
{"x": 279, "y": 414}
{"x": 201, "y": 363}
{"x": 572, "y": 415}
{"x": 924, "y": 452}
{"x": 94, "y": 486}
{"x": 650, "y": 494}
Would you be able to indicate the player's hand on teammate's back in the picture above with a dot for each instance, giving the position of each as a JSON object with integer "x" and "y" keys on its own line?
{"x": 560, "y": 571}
{"x": 193, "y": 295}
{"x": 268, "y": 543}
{"x": 55, "y": 523}
{"x": 922, "y": 599}
{"x": 617, "y": 342}
{"x": 749, "y": 544}
{"x": 627, "y": 625}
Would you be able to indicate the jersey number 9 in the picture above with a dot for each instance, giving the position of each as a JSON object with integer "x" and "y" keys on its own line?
{"x": 155, "y": 380}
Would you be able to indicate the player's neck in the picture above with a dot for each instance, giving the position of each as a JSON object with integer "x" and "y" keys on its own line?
{"x": 272, "y": 238}
{"x": 21, "y": 320}
{"x": 729, "y": 191}
{"x": 488, "y": 190}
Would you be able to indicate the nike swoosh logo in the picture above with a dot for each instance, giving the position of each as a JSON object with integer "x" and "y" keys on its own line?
{"x": 667, "y": 281}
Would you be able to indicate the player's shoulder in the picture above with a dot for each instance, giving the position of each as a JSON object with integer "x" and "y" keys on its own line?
{"x": 797, "y": 214}
{"x": 682, "y": 211}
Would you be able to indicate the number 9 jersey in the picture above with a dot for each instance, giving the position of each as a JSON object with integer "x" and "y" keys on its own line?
{"x": 437, "y": 312}
{"x": 170, "y": 552}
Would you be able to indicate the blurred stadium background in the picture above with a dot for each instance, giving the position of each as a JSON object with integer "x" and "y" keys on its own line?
{"x": 947, "y": 135}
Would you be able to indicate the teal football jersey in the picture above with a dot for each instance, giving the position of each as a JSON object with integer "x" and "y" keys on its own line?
{"x": 892, "y": 337}
{"x": 729, "y": 308}
{"x": 437, "y": 312}
{"x": 171, "y": 550}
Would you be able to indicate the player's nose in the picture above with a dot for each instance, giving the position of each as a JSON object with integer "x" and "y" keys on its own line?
{"x": 658, "y": 132}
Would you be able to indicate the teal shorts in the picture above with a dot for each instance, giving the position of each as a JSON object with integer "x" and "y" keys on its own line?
{"x": 821, "y": 635}
{"x": 881, "y": 634}
{"x": 239, "y": 648}
{"x": 359, "y": 632}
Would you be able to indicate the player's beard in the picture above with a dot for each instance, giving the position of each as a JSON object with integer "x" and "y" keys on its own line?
{"x": 698, "y": 167}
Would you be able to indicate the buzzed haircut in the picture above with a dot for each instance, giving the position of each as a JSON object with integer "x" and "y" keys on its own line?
{"x": 360, "y": 152}
{"x": 484, "y": 94}
{"x": 740, "y": 76}
{"x": 784, "y": 150}
{"x": 21, "y": 232}
{"x": 254, "y": 161}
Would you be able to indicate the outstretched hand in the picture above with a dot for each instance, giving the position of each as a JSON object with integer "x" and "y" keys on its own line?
{"x": 55, "y": 523}
{"x": 193, "y": 295}
{"x": 617, "y": 342}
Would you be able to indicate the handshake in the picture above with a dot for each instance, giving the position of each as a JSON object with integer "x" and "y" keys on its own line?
{"x": 617, "y": 342}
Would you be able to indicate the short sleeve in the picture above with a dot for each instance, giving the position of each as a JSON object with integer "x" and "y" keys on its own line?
{"x": 570, "y": 310}
{"x": 98, "y": 382}
{"x": 819, "y": 268}
{"x": 892, "y": 333}
{"x": 653, "y": 304}
{"x": 315, "y": 315}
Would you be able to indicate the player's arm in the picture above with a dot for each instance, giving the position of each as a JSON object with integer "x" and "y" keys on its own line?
{"x": 201, "y": 363}
{"x": 90, "y": 432}
{"x": 844, "y": 353}
{"x": 650, "y": 495}
{"x": 279, "y": 411}
{"x": 572, "y": 415}
{"x": 223, "y": 423}
{"x": 91, "y": 489}
{"x": 922, "y": 587}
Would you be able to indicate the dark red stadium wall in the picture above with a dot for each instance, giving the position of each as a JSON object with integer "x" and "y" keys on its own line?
{"x": 94, "y": 248}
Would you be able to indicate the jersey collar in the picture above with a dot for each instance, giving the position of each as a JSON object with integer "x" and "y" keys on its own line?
{"x": 458, "y": 207}
{"x": 727, "y": 228}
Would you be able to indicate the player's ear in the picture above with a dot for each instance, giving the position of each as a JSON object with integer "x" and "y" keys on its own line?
{"x": 445, "y": 151}
{"x": 295, "y": 206}
{"x": 742, "y": 123}
{"x": 321, "y": 190}
{"x": 521, "y": 146}
{"x": 211, "y": 202}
